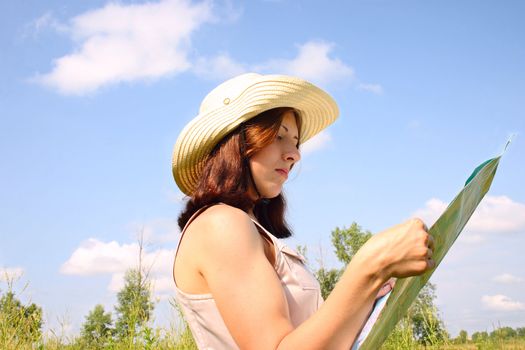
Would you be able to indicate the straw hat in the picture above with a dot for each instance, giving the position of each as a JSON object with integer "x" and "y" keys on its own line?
{"x": 238, "y": 100}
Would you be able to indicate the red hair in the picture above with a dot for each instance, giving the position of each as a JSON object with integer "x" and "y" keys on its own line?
{"x": 226, "y": 176}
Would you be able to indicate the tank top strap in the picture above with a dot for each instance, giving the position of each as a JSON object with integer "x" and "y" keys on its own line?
{"x": 265, "y": 231}
{"x": 278, "y": 244}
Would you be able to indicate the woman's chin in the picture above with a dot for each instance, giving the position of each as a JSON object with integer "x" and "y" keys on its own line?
{"x": 272, "y": 194}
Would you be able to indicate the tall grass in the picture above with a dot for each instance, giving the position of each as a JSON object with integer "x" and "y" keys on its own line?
{"x": 402, "y": 337}
{"x": 20, "y": 329}
{"x": 17, "y": 332}
{"x": 19, "y": 324}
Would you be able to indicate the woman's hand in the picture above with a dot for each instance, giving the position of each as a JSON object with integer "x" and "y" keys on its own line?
{"x": 401, "y": 251}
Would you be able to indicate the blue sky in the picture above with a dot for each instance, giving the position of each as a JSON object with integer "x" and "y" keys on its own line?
{"x": 93, "y": 95}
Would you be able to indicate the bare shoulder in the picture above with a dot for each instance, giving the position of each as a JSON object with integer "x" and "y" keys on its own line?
{"x": 221, "y": 220}
{"x": 223, "y": 214}
{"x": 223, "y": 229}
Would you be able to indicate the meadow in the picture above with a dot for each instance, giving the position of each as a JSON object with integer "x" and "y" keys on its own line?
{"x": 130, "y": 326}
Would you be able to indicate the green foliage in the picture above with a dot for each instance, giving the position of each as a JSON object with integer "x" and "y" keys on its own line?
{"x": 520, "y": 332}
{"x": 180, "y": 338}
{"x": 327, "y": 280}
{"x": 347, "y": 241}
{"x": 427, "y": 326}
{"x": 19, "y": 324}
{"x": 499, "y": 338}
{"x": 134, "y": 306}
{"x": 479, "y": 337}
{"x": 97, "y": 330}
{"x": 503, "y": 333}
{"x": 402, "y": 337}
{"x": 462, "y": 337}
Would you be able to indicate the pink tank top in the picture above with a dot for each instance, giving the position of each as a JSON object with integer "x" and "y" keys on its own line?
{"x": 301, "y": 288}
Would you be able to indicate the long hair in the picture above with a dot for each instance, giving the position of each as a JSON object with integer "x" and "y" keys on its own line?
{"x": 226, "y": 175}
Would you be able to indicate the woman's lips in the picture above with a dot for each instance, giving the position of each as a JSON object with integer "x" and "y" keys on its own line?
{"x": 283, "y": 172}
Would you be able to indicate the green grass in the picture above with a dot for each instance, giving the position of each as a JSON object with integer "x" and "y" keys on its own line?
{"x": 180, "y": 338}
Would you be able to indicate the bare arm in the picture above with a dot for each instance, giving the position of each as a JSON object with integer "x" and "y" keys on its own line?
{"x": 251, "y": 300}
{"x": 398, "y": 252}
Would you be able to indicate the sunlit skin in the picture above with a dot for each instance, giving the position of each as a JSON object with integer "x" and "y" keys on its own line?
{"x": 222, "y": 253}
{"x": 271, "y": 165}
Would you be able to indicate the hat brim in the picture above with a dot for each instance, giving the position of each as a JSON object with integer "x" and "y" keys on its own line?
{"x": 201, "y": 135}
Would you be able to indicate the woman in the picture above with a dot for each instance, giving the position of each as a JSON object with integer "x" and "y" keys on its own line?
{"x": 238, "y": 284}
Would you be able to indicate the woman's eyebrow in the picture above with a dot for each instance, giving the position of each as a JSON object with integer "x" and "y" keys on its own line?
{"x": 285, "y": 128}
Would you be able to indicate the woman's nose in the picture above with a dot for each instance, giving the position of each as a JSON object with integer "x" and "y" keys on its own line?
{"x": 292, "y": 154}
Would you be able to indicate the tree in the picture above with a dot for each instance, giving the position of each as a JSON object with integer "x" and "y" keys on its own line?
{"x": 19, "y": 324}
{"x": 134, "y": 304}
{"x": 427, "y": 326}
{"x": 479, "y": 337}
{"x": 520, "y": 332}
{"x": 348, "y": 241}
{"x": 134, "y": 301}
{"x": 97, "y": 329}
{"x": 327, "y": 279}
{"x": 462, "y": 337}
{"x": 503, "y": 333}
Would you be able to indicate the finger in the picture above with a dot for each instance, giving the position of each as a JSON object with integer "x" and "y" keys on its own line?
{"x": 418, "y": 222}
{"x": 431, "y": 264}
{"x": 430, "y": 242}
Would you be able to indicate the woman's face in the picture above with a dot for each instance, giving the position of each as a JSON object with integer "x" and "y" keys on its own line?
{"x": 271, "y": 165}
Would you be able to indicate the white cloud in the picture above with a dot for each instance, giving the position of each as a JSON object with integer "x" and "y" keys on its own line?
{"x": 95, "y": 257}
{"x": 220, "y": 67}
{"x": 471, "y": 239}
{"x": 507, "y": 278}
{"x": 160, "y": 283}
{"x": 498, "y": 214}
{"x": 117, "y": 282}
{"x": 316, "y": 143}
{"x": 163, "y": 284}
{"x": 312, "y": 63}
{"x": 501, "y": 303}
{"x": 123, "y": 43}
{"x": 495, "y": 214}
{"x": 8, "y": 274}
{"x": 373, "y": 88}
{"x": 430, "y": 213}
